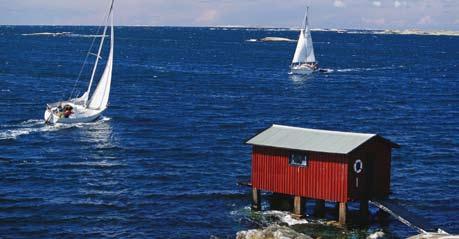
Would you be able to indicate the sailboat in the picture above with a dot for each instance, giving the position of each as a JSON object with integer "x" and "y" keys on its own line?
{"x": 85, "y": 109}
{"x": 304, "y": 60}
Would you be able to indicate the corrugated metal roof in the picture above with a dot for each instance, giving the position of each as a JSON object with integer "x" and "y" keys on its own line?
{"x": 281, "y": 136}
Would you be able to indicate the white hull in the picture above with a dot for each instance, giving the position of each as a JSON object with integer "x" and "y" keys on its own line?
{"x": 80, "y": 115}
{"x": 302, "y": 69}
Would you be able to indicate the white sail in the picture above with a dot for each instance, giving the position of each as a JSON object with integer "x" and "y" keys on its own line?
{"x": 300, "y": 52}
{"x": 99, "y": 99}
{"x": 309, "y": 47}
{"x": 304, "y": 49}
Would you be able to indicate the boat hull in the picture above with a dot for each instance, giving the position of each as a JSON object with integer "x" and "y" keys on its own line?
{"x": 302, "y": 70}
{"x": 52, "y": 116}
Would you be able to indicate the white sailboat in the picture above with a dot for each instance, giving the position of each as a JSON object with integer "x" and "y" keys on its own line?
{"x": 84, "y": 108}
{"x": 304, "y": 60}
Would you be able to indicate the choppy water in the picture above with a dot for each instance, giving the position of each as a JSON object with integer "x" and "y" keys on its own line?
{"x": 165, "y": 159}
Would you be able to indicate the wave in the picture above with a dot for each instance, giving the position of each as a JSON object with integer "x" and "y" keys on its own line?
{"x": 99, "y": 164}
{"x": 62, "y": 34}
{"x": 88, "y": 36}
{"x": 285, "y": 217}
{"x": 54, "y": 34}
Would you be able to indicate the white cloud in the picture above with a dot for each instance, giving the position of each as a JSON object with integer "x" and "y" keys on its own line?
{"x": 339, "y": 3}
{"x": 398, "y": 4}
{"x": 377, "y": 3}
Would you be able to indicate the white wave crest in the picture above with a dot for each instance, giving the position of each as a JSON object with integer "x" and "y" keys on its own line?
{"x": 54, "y": 34}
{"x": 285, "y": 217}
{"x": 61, "y": 34}
{"x": 103, "y": 163}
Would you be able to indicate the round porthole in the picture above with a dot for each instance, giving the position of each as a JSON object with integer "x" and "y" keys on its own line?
{"x": 358, "y": 166}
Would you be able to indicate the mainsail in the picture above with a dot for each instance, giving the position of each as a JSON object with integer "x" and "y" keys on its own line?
{"x": 304, "y": 50}
{"x": 99, "y": 99}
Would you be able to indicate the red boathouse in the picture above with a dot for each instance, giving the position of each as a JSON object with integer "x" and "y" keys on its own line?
{"x": 321, "y": 165}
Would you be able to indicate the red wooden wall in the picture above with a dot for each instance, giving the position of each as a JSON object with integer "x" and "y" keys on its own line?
{"x": 325, "y": 177}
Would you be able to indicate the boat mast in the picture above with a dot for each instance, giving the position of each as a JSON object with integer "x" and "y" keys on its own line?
{"x": 306, "y": 20}
{"x": 98, "y": 56}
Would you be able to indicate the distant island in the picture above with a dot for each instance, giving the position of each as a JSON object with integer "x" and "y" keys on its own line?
{"x": 352, "y": 31}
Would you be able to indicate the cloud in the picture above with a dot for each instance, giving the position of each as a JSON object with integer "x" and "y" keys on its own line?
{"x": 425, "y": 20}
{"x": 339, "y": 3}
{"x": 377, "y": 3}
{"x": 398, "y": 4}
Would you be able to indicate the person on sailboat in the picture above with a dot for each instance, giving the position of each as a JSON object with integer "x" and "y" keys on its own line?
{"x": 68, "y": 110}
{"x": 313, "y": 65}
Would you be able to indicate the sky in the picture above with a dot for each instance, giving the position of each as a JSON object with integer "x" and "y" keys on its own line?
{"x": 341, "y": 14}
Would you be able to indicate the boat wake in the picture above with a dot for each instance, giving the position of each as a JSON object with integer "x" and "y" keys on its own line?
{"x": 13, "y": 131}
{"x": 364, "y": 69}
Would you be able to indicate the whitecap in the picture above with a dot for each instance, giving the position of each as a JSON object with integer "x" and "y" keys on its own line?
{"x": 62, "y": 34}
{"x": 88, "y": 36}
{"x": 103, "y": 163}
{"x": 285, "y": 217}
{"x": 54, "y": 34}
{"x": 376, "y": 235}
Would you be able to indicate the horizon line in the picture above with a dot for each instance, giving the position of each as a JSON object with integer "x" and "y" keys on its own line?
{"x": 234, "y": 26}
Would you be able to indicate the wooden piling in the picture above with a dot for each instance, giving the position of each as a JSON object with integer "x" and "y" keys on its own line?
{"x": 298, "y": 206}
{"x": 342, "y": 213}
{"x": 256, "y": 199}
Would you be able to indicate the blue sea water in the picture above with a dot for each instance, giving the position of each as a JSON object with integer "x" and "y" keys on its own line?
{"x": 164, "y": 160}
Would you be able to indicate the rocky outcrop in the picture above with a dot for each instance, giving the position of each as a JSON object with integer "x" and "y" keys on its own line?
{"x": 434, "y": 236}
{"x": 276, "y": 39}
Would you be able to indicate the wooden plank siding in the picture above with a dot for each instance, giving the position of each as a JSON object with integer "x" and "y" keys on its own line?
{"x": 325, "y": 177}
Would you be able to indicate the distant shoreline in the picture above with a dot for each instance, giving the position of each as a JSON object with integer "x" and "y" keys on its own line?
{"x": 348, "y": 31}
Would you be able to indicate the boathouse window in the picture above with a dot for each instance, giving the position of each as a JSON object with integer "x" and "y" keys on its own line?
{"x": 298, "y": 159}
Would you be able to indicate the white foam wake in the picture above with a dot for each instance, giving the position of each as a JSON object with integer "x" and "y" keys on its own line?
{"x": 12, "y": 132}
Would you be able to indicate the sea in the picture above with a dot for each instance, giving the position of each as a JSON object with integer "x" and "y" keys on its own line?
{"x": 165, "y": 159}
